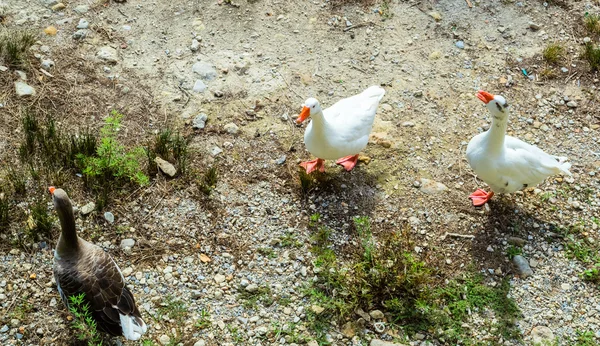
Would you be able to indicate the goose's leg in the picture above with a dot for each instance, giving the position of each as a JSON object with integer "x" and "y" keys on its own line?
{"x": 313, "y": 164}
{"x": 481, "y": 197}
{"x": 348, "y": 161}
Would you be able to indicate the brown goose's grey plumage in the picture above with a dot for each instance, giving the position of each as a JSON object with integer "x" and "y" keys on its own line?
{"x": 82, "y": 267}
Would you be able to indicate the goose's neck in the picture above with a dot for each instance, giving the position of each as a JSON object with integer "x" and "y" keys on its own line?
{"x": 68, "y": 241}
{"x": 319, "y": 122}
{"x": 497, "y": 133}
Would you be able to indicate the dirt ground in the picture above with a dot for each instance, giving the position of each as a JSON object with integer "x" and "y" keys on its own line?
{"x": 258, "y": 61}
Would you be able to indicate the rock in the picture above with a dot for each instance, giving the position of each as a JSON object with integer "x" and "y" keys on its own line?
{"x": 4, "y": 329}
{"x": 24, "y": 89}
{"x": 164, "y": 339}
{"x": 127, "y": 243}
{"x": 215, "y": 151}
{"x": 219, "y": 278}
{"x": 200, "y": 121}
{"x": 199, "y": 86}
{"x": 127, "y": 271}
{"x": 432, "y": 187}
{"x": 534, "y": 26}
{"x": 252, "y": 288}
{"x": 200, "y": 343}
{"x": 51, "y": 30}
{"x": 81, "y": 9}
{"x": 231, "y": 128}
{"x": 244, "y": 283}
{"x": 49, "y": 3}
{"x": 348, "y": 330}
{"x": 108, "y": 54}
{"x": 58, "y": 7}
{"x": 312, "y": 343}
{"x": 418, "y": 93}
{"x": 435, "y": 55}
{"x": 572, "y": 104}
{"x": 166, "y": 167}
{"x": 522, "y": 265}
{"x": 205, "y": 70}
{"x": 195, "y": 45}
{"x": 22, "y": 75}
{"x": 460, "y": 44}
{"x": 88, "y": 208}
{"x": 377, "y": 342}
{"x": 317, "y": 309}
{"x": 47, "y": 64}
{"x": 262, "y": 330}
{"x": 81, "y": 34}
{"x": 516, "y": 241}
{"x": 281, "y": 160}
{"x": 108, "y": 216}
{"x": 376, "y": 314}
{"x": 587, "y": 40}
{"x": 218, "y": 93}
{"x": 542, "y": 335}
{"x": 3, "y": 68}
{"x": 435, "y": 15}
{"x": 83, "y": 24}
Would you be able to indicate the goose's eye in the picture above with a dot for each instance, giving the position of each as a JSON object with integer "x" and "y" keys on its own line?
{"x": 313, "y": 106}
{"x": 505, "y": 105}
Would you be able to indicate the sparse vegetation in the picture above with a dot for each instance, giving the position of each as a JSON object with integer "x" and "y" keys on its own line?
{"x": 553, "y": 53}
{"x": 14, "y": 46}
{"x": 390, "y": 278}
{"x": 513, "y": 251}
{"x": 168, "y": 146}
{"x": 172, "y": 309}
{"x": 592, "y": 23}
{"x": 261, "y": 295}
{"x": 591, "y": 53}
{"x": 18, "y": 180}
{"x": 208, "y": 182}
{"x": 83, "y": 324}
{"x": 40, "y": 222}
{"x": 204, "y": 321}
{"x": 4, "y": 211}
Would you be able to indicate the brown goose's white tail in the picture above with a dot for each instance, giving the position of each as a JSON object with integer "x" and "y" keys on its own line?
{"x": 133, "y": 327}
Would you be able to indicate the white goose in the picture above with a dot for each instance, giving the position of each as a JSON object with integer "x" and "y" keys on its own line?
{"x": 506, "y": 163}
{"x": 341, "y": 131}
{"x": 82, "y": 267}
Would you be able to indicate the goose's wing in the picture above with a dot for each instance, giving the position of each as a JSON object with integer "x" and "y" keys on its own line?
{"x": 524, "y": 166}
{"x": 96, "y": 275}
{"x": 354, "y": 116}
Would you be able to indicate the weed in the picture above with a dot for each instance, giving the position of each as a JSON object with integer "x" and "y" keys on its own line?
{"x": 14, "y": 46}
{"x": 148, "y": 343}
{"x": 513, "y": 251}
{"x": 83, "y": 323}
{"x": 40, "y": 224}
{"x": 553, "y": 53}
{"x": 4, "y": 211}
{"x": 585, "y": 338}
{"x": 208, "y": 181}
{"x": 284, "y": 301}
{"x": 290, "y": 240}
{"x": 22, "y": 311}
{"x": 112, "y": 162}
{"x": 592, "y": 274}
{"x": 204, "y": 321}
{"x": 592, "y": 23}
{"x": 172, "y": 309}
{"x": 545, "y": 197}
{"x": 288, "y": 332}
{"x": 260, "y": 295}
{"x": 591, "y": 53}
{"x": 306, "y": 182}
{"x": 170, "y": 147}
{"x": 548, "y": 73}
{"x": 236, "y": 335}
{"x": 18, "y": 180}
{"x": 388, "y": 277}
{"x": 267, "y": 252}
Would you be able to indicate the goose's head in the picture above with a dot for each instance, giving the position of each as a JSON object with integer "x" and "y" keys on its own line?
{"x": 496, "y": 104}
{"x": 60, "y": 199}
{"x": 311, "y": 106}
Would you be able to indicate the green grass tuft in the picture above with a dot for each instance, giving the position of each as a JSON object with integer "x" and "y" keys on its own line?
{"x": 591, "y": 54}
{"x": 208, "y": 182}
{"x": 40, "y": 226}
{"x": 592, "y": 23}
{"x": 83, "y": 324}
{"x": 553, "y": 53}
{"x": 14, "y": 46}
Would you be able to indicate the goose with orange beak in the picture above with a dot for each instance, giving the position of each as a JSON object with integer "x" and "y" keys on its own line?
{"x": 506, "y": 163}
{"x": 341, "y": 131}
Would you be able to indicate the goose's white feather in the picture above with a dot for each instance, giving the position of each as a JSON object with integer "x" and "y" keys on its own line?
{"x": 343, "y": 129}
{"x": 506, "y": 163}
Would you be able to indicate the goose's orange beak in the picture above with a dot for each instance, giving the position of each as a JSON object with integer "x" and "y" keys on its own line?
{"x": 303, "y": 115}
{"x": 484, "y": 96}
{"x": 51, "y": 189}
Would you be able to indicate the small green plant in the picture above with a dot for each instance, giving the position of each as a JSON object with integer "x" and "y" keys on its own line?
{"x": 261, "y": 295}
{"x": 148, "y": 343}
{"x": 288, "y": 332}
{"x": 204, "y": 321}
{"x": 4, "y": 211}
{"x": 591, "y": 54}
{"x": 22, "y": 310}
{"x": 553, "y": 53}
{"x": 267, "y": 252}
{"x": 236, "y": 335}
{"x": 585, "y": 338}
{"x": 14, "y": 46}
{"x": 18, "y": 180}
{"x": 513, "y": 251}
{"x": 83, "y": 323}
{"x": 306, "y": 182}
{"x": 112, "y": 162}
{"x": 168, "y": 146}
{"x": 592, "y": 274}
{"x": 172, "y": 309}
{"x": 208, "y": 182}
{"x": 40, "y": 226}
{"x": 592, "y": 23}
{"x": 290, "y": 240}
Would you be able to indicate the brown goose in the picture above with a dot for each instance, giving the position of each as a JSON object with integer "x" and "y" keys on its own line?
{"x": 82, "y": 267}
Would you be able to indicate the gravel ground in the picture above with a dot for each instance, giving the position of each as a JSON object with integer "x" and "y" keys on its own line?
{"x": 235, "y": 63}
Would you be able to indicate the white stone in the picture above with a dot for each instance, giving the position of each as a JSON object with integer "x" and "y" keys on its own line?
{"x": 108, "y": 54}
{"x": 199, "y": 86}
{"x": 24, "y": 89}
